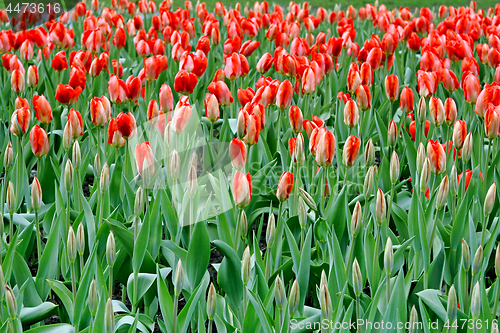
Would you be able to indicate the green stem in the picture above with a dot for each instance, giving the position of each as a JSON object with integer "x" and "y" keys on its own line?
{"x": 100, "y": 208}
{"x": 495, "y": 300}
{"x": 11, "y": 228}
{"x": 388, "y": 289}
{"x": 244, "y": 300}
{"x": 280, "y": 314}
{"x": 174, "y": 319}
{"x": 209, "y": 326}
{"x": 351, "y": 252}
{"x": 125, "y": 162}
{"x": 358, "y": 308}
{"x": 111, "y": 281}
{"x": 81, "y": 267}
{"x": 466, "y": 293}
{"x": 38, "y": 235}
{"x": 73, "y": 281}
{"x": 134, "y": 296}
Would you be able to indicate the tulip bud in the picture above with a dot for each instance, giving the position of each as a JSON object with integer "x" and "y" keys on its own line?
{"x": 68, "y": 176}
{"x": 92, "y": 299}
{"x": 307, "y": 198}
{"x": 489, "y": 199}
{"x": 77, "y": 155}
{"x": 8, "y": 157}
{"x": 36, "y": 195}
{"x": 11, "y": 199}
{"x": 356, "y": 222}
{"x": 392, "y": 134}
{"x": 394, "y": 168}
{"x": 111, "y": 249}
{"x": 323, "y": 279}
{"x": 193, "y": 160}
{"x": 494, "y": 327}
{"x": 245, "y": 266}
{"x": 421, "y": 156}
{"x": 380, "y": 208}
{"x": 497, "y": 262}
{"x": 71, "y": 245}
{"x": 139, "y": 202}
{"x": 192, "y": 181}
{"x": 175, "y": 165}
{"x": 97, "y": 165}
{"x": 465, "y": 255}
{"x": 270, "y": 230}
{"x": 413, "y": 320}
{"x": 452, "y": 304}
{"x": 241, "y": 124}
{"x": 453, "y": 181}
{"x": 357, "y": 279}
{"x": 109, "y": 317}
{"x": 178, "y": 278}
{"x": 302, "y": 213}
{"x": 475, "y": 303}
{"x": 421, "y": 110}
{"x": 369, "y": 153}
{"x": 243, "y": 223}
{"x": 279, "y": 293}
{"x": 104, "y": 179}
{"x": 67, "y": 137}
{"x": 478, "y": 260}
{"x": 80, "y": 239}
{"x": 368, "y": 184}
{"x": 325, "y": 302}
{"x": 388, "y": 257}
{"x": 211, "y": 302}
{"x": 299, "y": 150}
{"x": 10, "y": 299}
{"x": 442, "y": 195}
{"x": 425, "y": 175}
{"x": 167, "y": 135}
{"x": 294, "y": 296}
{"x": 467, "y": 149}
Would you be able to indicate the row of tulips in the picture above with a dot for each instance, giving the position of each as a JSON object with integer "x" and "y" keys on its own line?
{"x": 249, "y": 168}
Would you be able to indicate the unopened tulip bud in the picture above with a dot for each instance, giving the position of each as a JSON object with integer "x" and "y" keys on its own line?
{"x": 104, "y": 179}
{"x": 68, "y": 176}
{"x": 357, "y": 279}
{"x": 178, "y": 278}
{"x": 497, "y": 261}
{"x": 10, "y": 299}
{"x": 421, "y": 156}
{"x": 294, "y": 298}
{"x": 475, "y": 303}
{"x": 71, "y": 245}
{"x": 442, "y": 194}
{"x": 465, "y": 255}
{"x": 394, "y": 168}
{"x": 80, "y": 239}
{"x": 392, "y": 134}
{"x": 380, "y": 208}
{"x": 279, "y": 293}
{"x": 139, "y": 202}
{"x": 369, "y": 153}
{"x": 193, "y": 160}
{"x": 413, "y": 320}
{"x": 300, "y": 157}
{"x": 11, "y": 199}
{"x": 36, "y": 194}
{"x": 245, "y": 266}
{"x": 109, "y": 316}
{"x": 307, "y": 198}
{"x": 77, "y": 155}
{"x": 356, "y": 222}
{"x": 453, "y": 181}
{"x": 425, "y": 175}
{"x": 211, "y": 302}
{"x": 421, "y": 110}
{"x": 388, "y": 257}
{"x": 302, "y": 213}
{"x": 368, "y": 184}
{"x": 97, "y": 165}
{"x": 489, "y": 200}
{"x": 270, "y": 230}
{"x": 494, "y": 328}
{"x": 467, "y": 149}
{"x": 452, "y": 304}
{"x": 92, "y": 299}
{"x": 325, "y": 302}
{"x": 324, "y": 279}
{"x": 241, "y": 127}
{"x": 175, "y": 165}
{"x": 243, "y": 224}
{"x": 192, "y": 181}
{"x": 167, "y": 135}
{"x": 478, "y": 261}
{"x": 8, "y": 157}
{"x": 67, "y": 137}
{"x": 111, "y": 250}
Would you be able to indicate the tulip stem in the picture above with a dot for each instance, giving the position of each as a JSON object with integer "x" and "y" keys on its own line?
{"x": 38, "y": 241}
{"x": 209, "y": 326}
{"x": 358, "y": 308}
{"x": 495, "y": 300}
{"x": 11, "y": 228}
{"x": 388, "y": 288}
{"x": 110, "y": 281}
{"x": 351, "y": 252}
{"x": 100, "y": 208}
{"x": 174, "y": 319}
{"x": 73, "y": 281}
{"x": 126, "y": 160}
{"x": 236, "y": 231}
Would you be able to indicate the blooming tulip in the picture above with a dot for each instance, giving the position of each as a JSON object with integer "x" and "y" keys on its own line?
{"x": 351, "y": 150}
{"x": 42, "y": 108}
{"x": 242, "y": 189}
{"x": 238, "y": 154}
{"x": 285, "y": 186}
{"x": 39, "y": 141}
{"x": 437, "y": 156}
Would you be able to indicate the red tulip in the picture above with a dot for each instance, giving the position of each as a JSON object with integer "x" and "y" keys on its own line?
{"x": 153, "y": 66}
{"x": 449, "y": 79}
{"x": 98, "y": 112}
{"x": 437, "y": 156}
{"x": 117, "y": 89}
{"x": 17, "y": 81}
{"x": 20, "y": 103}
{"x": 413, "y": 129}
{"x": 471, "y": 87}
{"x": 77, "y": 78}
{"x": 42, "y": 108}
{"x": 284, "y": 95}
{"x": 351, "y": 114}
{"x": 32, "y": 78}
{"x": 120, "y": 38}
{"x": 143, "y": 49}
{"x": 242, "y": 189}
{"x": 39, "y": 141}
{"x": 249, "y": 47}
{"x": 75, "y": 121}
{"x": 406, "y": 100}
{"x": 60, "y": 63}
{"x": 492, "y": 122}
{"x": 468, "y": 176}
{"x": 363, "y": 97}
{"x": 20, "y": 121}
{"x": 490, "y": 94}
{"x": 296, "y": 118}
{"x": 450, "y": 111}
{"x": 253, "y": 129}
{"x": 351, "y": 150}
{"x": 392, "y": 87}
{"x": 427, "y": 83}
{"x": 166, "y": 98}
{"x": 126, "y": 125}
{"x": 308, "y": 81}
{"x": 265, "y": 63}
{"x": 134, "y": 88}
{"x": 66, "y": 94}
{"x": 211, "y": 107}
{"x": 185, "y": 82}
{"x": 366, "y": 75}
{"x": 115, "y": 138}
{"x": 222, "y": 92}
{"x": 285, "y": 186}
{"x": 153, "y": 111}
{"x": 181, "y": 117}
{"x": 232, "y": 68}
{"x": 325, "y": 149}
{"x": 195, "y": 63}
{"x": 245, "y": 95}
{"x": 436, "y": 110}
{"x": 459, "y": 133}
{"x": 238, "y": 154}
{"x": 144, "y": 155}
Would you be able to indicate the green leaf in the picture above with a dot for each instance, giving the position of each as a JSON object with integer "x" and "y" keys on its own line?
{"x": 56, "y": 328}
{"x": 64, "y": 294}
{"x": 144, "y": 282}
{"x": 229, "y": 275}
{"x": 198, "y": 255}
{"x": 30, "y": 316}
{"x": 185, "y": 315}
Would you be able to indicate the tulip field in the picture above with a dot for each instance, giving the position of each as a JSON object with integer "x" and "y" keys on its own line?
{"x": 227, "y": 167}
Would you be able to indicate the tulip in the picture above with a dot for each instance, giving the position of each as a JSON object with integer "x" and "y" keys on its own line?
{"x": 325, "y": 149}
{"x": 32, "y": 79}
{"x": 153, "y": 67}
{"x": 245, "y": 96}
{"x": 192, "y": 181}
{"x": 351, "y": 114}
{"x": 211, "y": 107}
{"x": 285, "y": 186}
{"x": 308, "y": 82}
{"x": 153, "y": 111}
{"x": 246, "y": 266}
{"x": 65, "y": 94}
{"x": 17, "y": 81}
{"x": 492, "y": 122}
{"x": 442, "y": 194}
{"x": 60, "y": 63}
{"x": 166, "y": 99}
{"x": 185, "y": 82}
{"x": 380, "y": 208}
{"x": 369, "y": 153}
{"x": 459, "y": 133}
{"x": 115, "y": 138}
{"x": 467, "y": 148}
{"x": 222, "y": 92}
{"x": 8, "y": 157}
{"x": 437, "y": 156}
{"x": 406, "y": 100}
{"x": 471, "y": 87}
{"x": 436, "y": 110}
{"x": 253, "y": 129}
{"x": 284, "y": 95}
{"x": 392, "y": 87}
{"x": 366, "y": 74}
{"x": 450, "y": 111}
{"x": 132, "y": 88}
{"x": 363, "y": 97}
{"x": 126, "y": 125}
{"x": 181, "y": 117}
{"x": 242, "y": 189}
{"x": 20, "y": 121}
{"x": 353, "y": 78}
{"x": 39, "y": 141}
{"x": 98, "y": 112}
{"x": 42, "y": 108}
{"x": 394, "y": 168}
{"x": 299, "y": 150}
{"x": 265, "y": 63}
{"x": 357, "y": 278}
{"x": 238, "y": 154}
{"x": 421, "y": 110}
{"x": 427, "y": 83}
{"x": 392, "y": 134}
{"x": 118, "y": 90}
{"x": 144, "y": 157}
{"x": 489, "y": 200}
{"x": 76, "y": 122}
{"x": 296, "y": 119}
{"x": 351, "y": 150}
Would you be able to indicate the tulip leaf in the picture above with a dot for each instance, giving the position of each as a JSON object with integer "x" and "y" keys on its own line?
{"x": 30, "y": 316}
{"x": 56, "y": 328}
{"x": 64, "y": 295}
{"x": 229, "y": 275}
{"x": 198, "y": 255}
{"x": 144, "y": 282}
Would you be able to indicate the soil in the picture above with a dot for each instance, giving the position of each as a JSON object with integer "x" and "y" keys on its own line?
{"x": 89, "y": 181}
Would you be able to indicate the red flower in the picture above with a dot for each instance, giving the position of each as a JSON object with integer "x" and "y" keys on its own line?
{"x": 126, "y": 125}
{"x": 185, "y": 82}
{"x": 39, "y": 141}
{"x": 144, "y": 152}
{"x": 65, "y": 94}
